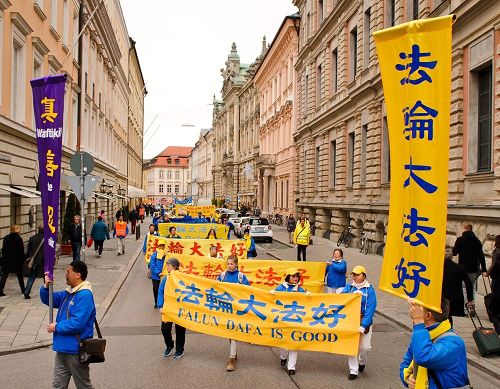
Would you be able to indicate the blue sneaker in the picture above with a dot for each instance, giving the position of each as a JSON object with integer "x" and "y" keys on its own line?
{"x": 178, "y": 354}
{"x": 168, "y": 351}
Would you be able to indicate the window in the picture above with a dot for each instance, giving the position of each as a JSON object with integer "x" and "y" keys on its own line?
{"x": 177, "y": 161}
{"x": 160, "y": 188}
{"x": 411, "y": 10}
{"x": 334, "y": 71}
{"x": 484, "y": 119}
{"x": 169, "y": 174}
{"x": 390, "y": 12}
{"x": 286, "y": 194}
{"x": 275, "y": 194}
{"x": 366, "y": 39}
{"x": 18, "y": 75}
{"x": 53, "y": 14}
{"x": 354, "y": 52}
{"x": 318, "y": 86}
{"x": 350, "y": 159}
{"x": 364, "y": 138}
{"x": 65, "y": 23}
{"x": 333, "y": 163}
{"x": 321, "y": 11}
{"x": 161, "y": 174}
{"x": 386, "y": 155}
{"x": 176, "y": 189}
{"x": 169, "y": 188}
{"x": 177, "y": 175}
{"x": 75, "y": 35}
{"x": 282, "y": 197}
{"x": 318, "y": 169}
{"x": 308, "y": 25}
{"x": 306, "y": 95}
{"x": 169, "y": 161}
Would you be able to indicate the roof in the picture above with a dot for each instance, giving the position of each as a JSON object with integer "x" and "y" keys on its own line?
{"x": 176, "y": 151}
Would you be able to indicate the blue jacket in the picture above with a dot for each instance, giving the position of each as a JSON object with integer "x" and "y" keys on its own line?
{"x": 156, "y": 266}
{"x": 251, "y": 248}
{"x": 232, "y": 277}
{"x": 286, "y": 287}
{"x": 161, "y": 291}
{"x": 368, "y": 302}
{"x": 335, "y": 274}
{"x": 75, "y": 317}
{"x": 145, "y": 245}
{"x": 99, "y": 231}
{"x": 200, "y": 220}
{"x": 446, "y": 357}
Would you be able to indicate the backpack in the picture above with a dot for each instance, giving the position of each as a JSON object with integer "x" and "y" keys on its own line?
{"x": 223, "y": 276}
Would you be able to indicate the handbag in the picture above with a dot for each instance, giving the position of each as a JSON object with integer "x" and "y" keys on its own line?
{"x": 92, "y": 350}
{"x": 30, "y": 261}
{"x": 90, "y": 242}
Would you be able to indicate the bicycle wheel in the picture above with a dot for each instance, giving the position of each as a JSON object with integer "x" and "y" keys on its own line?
{"x": 347, "y": 240}
{"x": 341, "y": 238}
{"x": 380, "y": 249}
{"x": 362, "y": 243}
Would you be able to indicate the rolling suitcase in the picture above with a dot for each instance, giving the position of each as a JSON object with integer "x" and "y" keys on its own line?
{"x": 487, "y": 340}
{"x": 488, "y": 299}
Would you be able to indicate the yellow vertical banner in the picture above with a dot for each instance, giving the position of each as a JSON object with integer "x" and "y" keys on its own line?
{"x": 415, "y": 63}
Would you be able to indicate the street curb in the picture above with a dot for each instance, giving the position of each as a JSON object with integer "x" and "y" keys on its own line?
{"x": 101, "y": 310}
{"x": 473, "y": 360}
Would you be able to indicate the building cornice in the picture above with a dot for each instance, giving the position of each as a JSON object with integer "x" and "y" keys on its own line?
{"x": 4, "y": 4}
{"x": 39, "y": 45}
{"x": 20, "y": 23}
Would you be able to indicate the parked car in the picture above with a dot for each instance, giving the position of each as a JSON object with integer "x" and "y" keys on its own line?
{"x": 260, "y": 229}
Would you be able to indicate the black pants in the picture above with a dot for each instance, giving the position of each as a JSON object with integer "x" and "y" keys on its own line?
{"x": 180, "y": 335}
{"x": 99, "y": 245}
{"x": 20, "y": 278}
{"x": 301, "y": 248}
{"x": 156, "y": 285}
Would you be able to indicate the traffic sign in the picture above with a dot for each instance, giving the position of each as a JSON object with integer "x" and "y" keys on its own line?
{"x": 82, "y": 161}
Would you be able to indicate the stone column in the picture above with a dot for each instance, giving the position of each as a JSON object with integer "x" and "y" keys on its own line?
{"x": 265, "y": 205}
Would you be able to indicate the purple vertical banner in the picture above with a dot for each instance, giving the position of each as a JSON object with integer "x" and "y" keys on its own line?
{"x": 48, "y": 105}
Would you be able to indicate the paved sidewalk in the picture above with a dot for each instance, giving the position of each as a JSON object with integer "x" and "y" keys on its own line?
{"x": 389, "y": 306}
{"x": 23, "y": 322}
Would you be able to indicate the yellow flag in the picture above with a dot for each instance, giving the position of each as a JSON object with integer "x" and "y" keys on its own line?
{"x": 415, "y": 62}
{"x": 192, "y": 210}
{"x": 319, "y": 322}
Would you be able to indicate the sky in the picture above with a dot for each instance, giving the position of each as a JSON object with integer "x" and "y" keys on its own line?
{"x": 182, "y": 45}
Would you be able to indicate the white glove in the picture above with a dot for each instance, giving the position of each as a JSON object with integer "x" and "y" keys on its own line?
{"x": 308, "y": 293}
{"x": 361, "y": 330}
{"x": 272, "y": 291}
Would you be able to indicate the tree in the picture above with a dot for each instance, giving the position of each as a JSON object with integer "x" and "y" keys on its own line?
{"x": 72, "y": 208}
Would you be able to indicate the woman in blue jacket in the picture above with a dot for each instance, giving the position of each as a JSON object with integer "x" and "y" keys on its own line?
{"x": 360, "y": 285}
{"x": 155, "y": 266}
{"x": 99, "y": 233}
{"x": 335, "y": 272}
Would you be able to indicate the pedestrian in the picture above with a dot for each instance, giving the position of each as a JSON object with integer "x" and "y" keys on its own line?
{"x": 439, "y": 352}
{"x": 453, "y": 276}
{"x": 302, "y": 238}
{"x": 120, "y": 232}
{"x": 211, "y": 234}
{"x": 166, "y": 327}
{"x": 99, "y": 233}
{"x": 249, "y": 244}
{"x": 360, "y": 284}
{"x": 151, "y": 231}
{"x": 141, "y": 213}
{"x": 103, "y": 215}
{"x": 133, "y": 217}
{"x": 75, "y": 237}
{"x": 335, "y": 272}
{"x": 12, "y": 258}
{"x": 290, "y": 227}
{"x": 288, "y": 358}
{"x": 470, "y": 254}
{"x": 35, "y": 248}
{"x": 494, "y": 272}
{"x": 118, "y": 214}
{"x": 155, "y": 267}
{"x": 74, "y": 322}
{"x": 172, "y": 233}
{"x": 234, "y": 276}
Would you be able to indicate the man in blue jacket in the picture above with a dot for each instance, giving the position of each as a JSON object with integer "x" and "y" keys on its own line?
{"x": 155, "y": 267}
{"x": 74, "y": 322}
{"x": 436, "y": 349}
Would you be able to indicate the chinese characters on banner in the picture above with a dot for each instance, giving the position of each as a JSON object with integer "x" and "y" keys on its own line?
{"x": 319, "y": 322}
{"x": 415, "y": 62}
{"x": 194, "y": 230}
{"x": 48, "y": 106}
{"x": 262, "y": 274}
{"x": 192, "y": 210}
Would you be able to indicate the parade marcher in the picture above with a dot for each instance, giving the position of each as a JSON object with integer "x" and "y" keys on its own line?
{"x": 335, "y": 272}
{"x": 155, "y": 267}
{"x": 470, "y": 254}
{"x": 302, "y": 238}
{"x": 453, "y": 276}
{"x": 437, "y": 350}
{"x": 291, "y": 284}
{"x": 74, "y": 322}
{"x": 12, "y": 258}
{"x": 166, "y": 327}
{"x": 120, "y": 232}
{"x": 211, "y": 234}
{"x": 290, "y": 227}
{"x": 133, "y": 216}
{"x": 99, "y": 233}
{"x": 75, "y": 237}
{"x": 35, "y": 246}
{"x": 172, "y": 233}
{"x": 151, "y": 231}
{"x": 200, "y": 218}
{"x": 232, "y": 275}
{"x": 360, "y": 285}
{"x": 156, "y": 219}
{"x": 249, "y": 244}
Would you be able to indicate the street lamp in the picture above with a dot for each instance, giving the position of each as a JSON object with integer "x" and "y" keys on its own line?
{"x": 121, "y": 192}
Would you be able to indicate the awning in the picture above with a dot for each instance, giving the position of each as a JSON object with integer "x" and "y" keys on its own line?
{"x": 31, "y": 190}
{"x": 134, "y": 192}
{"x": 120, "y": 196}
{"x": 18, "y": 191}
{"x": 103, "y": 195}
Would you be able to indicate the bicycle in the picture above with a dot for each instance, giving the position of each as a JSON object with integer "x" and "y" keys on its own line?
{"x": 381, "y": 249}
{"x": 365, "y": 243}
{"x": 346, "y": 237}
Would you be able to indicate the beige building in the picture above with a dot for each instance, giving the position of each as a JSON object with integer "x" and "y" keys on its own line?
{"x": 236, "y": 124}
{"x": 275, "y": 82}
{"x": 167, "y": 175}
{"x": 341, "y": 136}
{"x": 40, "y": 37}
{"x": 200, "y": 165}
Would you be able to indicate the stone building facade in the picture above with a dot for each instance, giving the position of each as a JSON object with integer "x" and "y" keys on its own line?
{"x": 341, "y": 137}
{"x": 275, "y": 82}
{"x": 200, "y": 165}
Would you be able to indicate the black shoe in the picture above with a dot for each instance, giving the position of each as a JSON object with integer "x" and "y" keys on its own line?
{"x": 168, "y": 351}
{"x": 2, "y": 294}
{"x": 178, "y": 354}
{"x": 291, "y": 371}
{"x": 27, "y": 296}
{"x": 361, "y": 368}
{"x": 352, "y": 377}
{"x": 283, "y": 362}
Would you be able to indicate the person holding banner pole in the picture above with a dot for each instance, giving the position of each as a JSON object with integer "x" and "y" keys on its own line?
{"x": 232, "y": 275}
{"x": 360, "y": 285}
{"x": 155, "y": 267}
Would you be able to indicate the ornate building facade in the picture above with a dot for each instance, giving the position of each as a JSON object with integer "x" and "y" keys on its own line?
{"x": 275, "y": 82}
{"x": 341, "y": 136}
{"x": 200, "y": 165}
